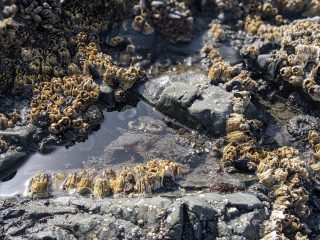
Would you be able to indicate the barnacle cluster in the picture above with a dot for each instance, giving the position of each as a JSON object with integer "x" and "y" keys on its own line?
{"x": 314, "y": 140}
{"x": 284, "y": 173}
{"x": 221, "y": 71}
{"x": 142, "y": 178}
{"x": 3, "y": 145}
{"x": 91, "y": 57}
{"x": 64, "y": 101}
{"x": 171, "y": 18}
{"x": 50, "y": 50}
{"x": 9, "y": 120}
{"x": 241, "y": 149}
{"x": 217, "y": 32}
{"x": 297, "y": 56}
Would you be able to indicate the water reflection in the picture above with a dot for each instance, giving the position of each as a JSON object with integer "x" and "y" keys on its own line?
{"x": 73, "y": 157}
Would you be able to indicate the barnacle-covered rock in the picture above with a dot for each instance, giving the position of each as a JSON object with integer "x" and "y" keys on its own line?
{"x": 283, "y": 172}
{"x": 217, "y": 32}
{"x": 252, "y": 24}
{"x": 291, "y": 6}
{"x": 142, "y": 178}
{"x": 3, "y": 145}
{"x": 171, "y": 18}
{"x": 90, "y": 56}
{"x": 62, "y": 103}
{"x": 297, "y": 57}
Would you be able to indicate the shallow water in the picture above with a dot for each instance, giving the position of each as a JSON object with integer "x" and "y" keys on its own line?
{"x": 74, "y": 157}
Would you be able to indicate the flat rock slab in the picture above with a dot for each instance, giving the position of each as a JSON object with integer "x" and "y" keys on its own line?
{"x": 204, "y": 216}
{"x": 191, "y": 99}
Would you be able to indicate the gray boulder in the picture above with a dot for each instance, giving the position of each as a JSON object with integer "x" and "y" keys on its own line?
{"x": 190, "y": 99}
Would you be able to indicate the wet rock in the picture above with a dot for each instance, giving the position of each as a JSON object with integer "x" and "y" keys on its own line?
{"x": 280, "y": 135}
{"x": 137, "y": 147}
{"x": 212, "y": 109}
{"x": 230, "y": 54}
{"x": 248, "y": 225}
{"x": 143, "y": 43}
{"x": 10, "y": 158}
{"x": 243, "y": 201}
{"x": 197, "y": 215}
{"x": 178, "y": 95}
{"x": 107, "y": 95}
{"x": 19, "y": 135}
{"x": 191, "y": 99}
{"x": 152, "y": 89}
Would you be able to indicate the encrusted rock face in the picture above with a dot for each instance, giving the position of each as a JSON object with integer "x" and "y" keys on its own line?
{"x": 63, "y": 102}
{"x": 201, "y": 215}
{"x": 173, "y": 19}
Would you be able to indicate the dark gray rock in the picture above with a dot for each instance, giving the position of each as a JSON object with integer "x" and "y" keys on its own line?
{"x": 71, "y": 217}
{"x": 190, "y": 99}
{"x": 174, "y": 222}
{"x": 19, "y": 135}
{"x": 200, "y": 208}
{"x": 107, "y": 95}
{"x": 248, "y": 225}
{"x": 177, "y": 95}
{"x": 243, "y": 201}
{"x": 212, "y": 109}
{"x": 230, "y": 54}
{"x": 10, "y": 158}
{"x": 264, "y": 59}
{"x": 152, "y": 89}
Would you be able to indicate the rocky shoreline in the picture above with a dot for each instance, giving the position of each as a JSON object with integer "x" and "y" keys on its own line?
{"x": 228, "y": 91}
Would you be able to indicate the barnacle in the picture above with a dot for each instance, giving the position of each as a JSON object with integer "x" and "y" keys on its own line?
{"x": 312, "y": 8}
{"x": 101, "y": 187}
{"x": 217, "y": 32}
{"x": 57, "y": 180}
{"x": 38, "y": 186}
